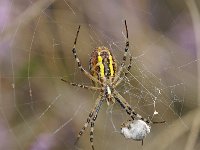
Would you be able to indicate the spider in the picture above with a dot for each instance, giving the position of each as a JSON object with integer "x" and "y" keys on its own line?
{"x": 105, "y": 77}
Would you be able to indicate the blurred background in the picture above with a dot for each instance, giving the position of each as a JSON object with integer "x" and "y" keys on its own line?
{"x": 40, "y": 112}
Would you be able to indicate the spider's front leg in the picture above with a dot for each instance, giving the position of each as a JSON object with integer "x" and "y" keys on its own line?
{"x": 91, "y": 120}
{"x": 131, "y": 112}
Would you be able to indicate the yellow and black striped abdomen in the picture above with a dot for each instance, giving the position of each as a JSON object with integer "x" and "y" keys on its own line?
{"x": 102, "y": 64}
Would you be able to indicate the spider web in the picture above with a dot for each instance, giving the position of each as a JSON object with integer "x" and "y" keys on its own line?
{"x": 38, "y": 111}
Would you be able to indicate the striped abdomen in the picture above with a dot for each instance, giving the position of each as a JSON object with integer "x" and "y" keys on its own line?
{"x": 102, "y": 64}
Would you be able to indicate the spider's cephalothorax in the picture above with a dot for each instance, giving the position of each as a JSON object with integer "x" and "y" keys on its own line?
{"x": 105, "y": 76}
{"x": 102, "y": 65}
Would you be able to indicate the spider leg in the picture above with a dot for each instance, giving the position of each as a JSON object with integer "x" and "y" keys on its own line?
{"x": 84, "y": 127}
{"x": 78, "y": 60}
{"x": 91, "y": 119}
{"x": 125, "y": 74}
{"x": 93, "y": 123}
{"x": 131, "y": 112}
{"x": 129, "y": 66}
{"x": 82, "y": 86}
{"x": 124, "y": 57}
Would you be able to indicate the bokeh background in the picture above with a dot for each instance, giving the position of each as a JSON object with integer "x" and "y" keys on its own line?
{"x": 40, "y": 112}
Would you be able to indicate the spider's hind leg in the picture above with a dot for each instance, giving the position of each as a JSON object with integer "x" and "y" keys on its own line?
{"x": 79, "y": 62}
{"x": 122, "y": 66}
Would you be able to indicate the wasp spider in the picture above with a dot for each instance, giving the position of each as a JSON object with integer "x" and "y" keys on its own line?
{"x": 105, "y": 77}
